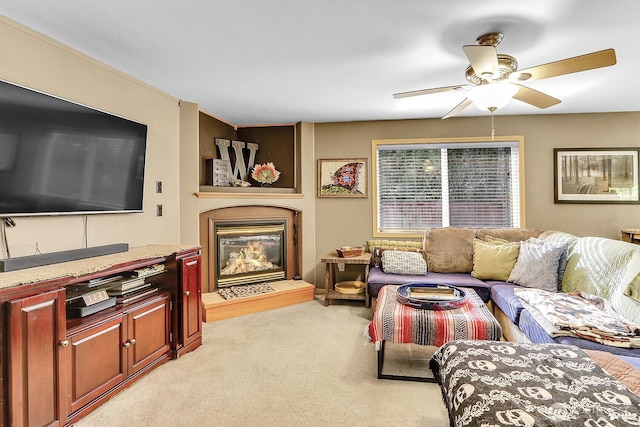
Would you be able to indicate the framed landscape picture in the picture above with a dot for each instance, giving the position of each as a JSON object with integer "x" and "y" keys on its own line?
{"x": 342, "y": 177}
{"x": 596, "y": 175}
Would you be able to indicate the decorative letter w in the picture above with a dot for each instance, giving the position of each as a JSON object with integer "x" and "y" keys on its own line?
{"x": 240, "y": 169}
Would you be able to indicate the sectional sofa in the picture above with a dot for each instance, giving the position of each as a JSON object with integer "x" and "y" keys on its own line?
{"x": 603, "y": 269}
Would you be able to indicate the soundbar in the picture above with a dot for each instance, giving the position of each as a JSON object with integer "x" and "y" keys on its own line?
{"x": 19, "y": 263}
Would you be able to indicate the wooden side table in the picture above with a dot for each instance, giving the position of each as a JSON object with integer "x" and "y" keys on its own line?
{"x": 631, "y": 235}
{"x": 331, "y": 260}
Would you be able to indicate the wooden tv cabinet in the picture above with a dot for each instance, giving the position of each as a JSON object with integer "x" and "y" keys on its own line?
{"x": 56, "y": 369}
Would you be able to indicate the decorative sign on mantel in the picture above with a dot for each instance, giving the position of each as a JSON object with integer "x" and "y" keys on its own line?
{"x": 218, "y": 173}
{"x": 241, "y": 166}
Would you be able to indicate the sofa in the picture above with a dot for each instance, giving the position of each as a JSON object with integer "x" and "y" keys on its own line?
{"x": 606, "y": 270}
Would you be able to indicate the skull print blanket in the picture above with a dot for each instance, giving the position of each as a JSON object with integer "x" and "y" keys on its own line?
{"x": 488, "y": 383}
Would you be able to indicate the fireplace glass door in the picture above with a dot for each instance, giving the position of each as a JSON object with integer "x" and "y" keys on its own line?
{"x": 250, "y": 253}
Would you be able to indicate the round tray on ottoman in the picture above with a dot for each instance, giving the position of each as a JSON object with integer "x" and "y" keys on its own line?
{"x": 431, "y": 297}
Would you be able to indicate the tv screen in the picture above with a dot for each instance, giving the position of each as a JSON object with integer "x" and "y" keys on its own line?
{"x": 58, "y": 157}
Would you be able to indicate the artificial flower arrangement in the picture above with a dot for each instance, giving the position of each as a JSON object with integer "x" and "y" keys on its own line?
{"x": 265, "y": 173}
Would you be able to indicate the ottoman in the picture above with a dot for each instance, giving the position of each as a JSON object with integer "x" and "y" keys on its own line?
{"x": 402, "y": 324}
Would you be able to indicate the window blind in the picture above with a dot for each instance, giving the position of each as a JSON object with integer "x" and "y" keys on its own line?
{"x": 438, "y": 185}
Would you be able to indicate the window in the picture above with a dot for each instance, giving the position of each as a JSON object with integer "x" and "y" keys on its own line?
{"x": 439, "y": 183}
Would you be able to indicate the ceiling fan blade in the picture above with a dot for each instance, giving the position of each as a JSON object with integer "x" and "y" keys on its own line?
{"x": 458, "y": 108}
{"x": 534, "y": 97}
{"x": 589, "y": 61}
{"x": 428, "y": 91}
{"x": 483, "y": 60}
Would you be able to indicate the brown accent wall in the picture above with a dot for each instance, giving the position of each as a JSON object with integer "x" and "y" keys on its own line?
{"x": 276, "y": 144}
{"x": 211, "y": 128}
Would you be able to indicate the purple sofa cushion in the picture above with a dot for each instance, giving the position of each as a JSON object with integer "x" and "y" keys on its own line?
{"x": 378, "y": 278}
{"x": 532, "y": 329}
{"x": 503, "y": 296}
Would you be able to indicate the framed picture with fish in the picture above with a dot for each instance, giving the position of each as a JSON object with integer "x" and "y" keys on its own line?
{"x": 342, "y": 177}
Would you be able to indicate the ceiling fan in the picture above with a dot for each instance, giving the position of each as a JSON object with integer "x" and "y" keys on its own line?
{"x": 494, "y": 77}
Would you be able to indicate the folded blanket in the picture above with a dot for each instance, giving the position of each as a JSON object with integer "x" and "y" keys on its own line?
{"x": 580, "y": 315}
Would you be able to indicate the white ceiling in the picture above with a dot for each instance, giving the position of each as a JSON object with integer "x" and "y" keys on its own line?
{"x": 284, "y": 61}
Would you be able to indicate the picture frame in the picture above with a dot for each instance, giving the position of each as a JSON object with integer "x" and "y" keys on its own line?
{"x": 596, "y": 175}
{"x": 346, "y": 177}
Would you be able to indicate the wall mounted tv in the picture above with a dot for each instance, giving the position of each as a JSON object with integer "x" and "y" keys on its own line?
{"x": 58, "y": 157}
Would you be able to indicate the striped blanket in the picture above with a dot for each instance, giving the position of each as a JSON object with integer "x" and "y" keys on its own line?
{"x": 399, "y": 323}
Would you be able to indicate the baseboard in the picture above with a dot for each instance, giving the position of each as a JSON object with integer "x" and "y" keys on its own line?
{"x": 30, "y": 261}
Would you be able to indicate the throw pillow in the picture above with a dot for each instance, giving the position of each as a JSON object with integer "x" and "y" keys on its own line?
{"x": 376, "y": 254}
{"x": 495, "y": 240}
{"x": 537, "y": 266}
{"x": 633, "y": 289}
{"x": 564, "y": 256}
{"x": 393, "y": 244}
{"x": 401, "y": 262}
{"x": 493, "y": 261}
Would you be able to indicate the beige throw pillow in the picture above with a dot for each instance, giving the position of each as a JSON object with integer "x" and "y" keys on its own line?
{"x": 494, "y": 261}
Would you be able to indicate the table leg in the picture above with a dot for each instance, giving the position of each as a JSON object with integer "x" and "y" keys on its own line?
{"x": 367, "y": 297}
{"x": 382, "y": 376}
{"x": 327, "y": 280}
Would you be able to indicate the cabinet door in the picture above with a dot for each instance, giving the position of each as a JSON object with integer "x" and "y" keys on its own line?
{"x": 97, "y": 361}
{"x": 191, "y": 304}
{"x": 36, "y": 360}
{"x": 147, "y": 333}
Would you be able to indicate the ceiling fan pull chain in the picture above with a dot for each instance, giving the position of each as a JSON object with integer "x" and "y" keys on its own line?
{"x": 493, "y": 127}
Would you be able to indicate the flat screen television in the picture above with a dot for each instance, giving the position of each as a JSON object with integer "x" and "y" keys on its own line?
{"x": 58, "y": 157}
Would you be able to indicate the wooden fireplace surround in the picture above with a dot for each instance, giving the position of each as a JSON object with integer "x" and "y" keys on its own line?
{"x": 291, "y": 217}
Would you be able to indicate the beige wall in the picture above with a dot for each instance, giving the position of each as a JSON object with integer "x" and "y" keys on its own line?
{"x": 34, "y": 61}
{"x": 349, "y": 221}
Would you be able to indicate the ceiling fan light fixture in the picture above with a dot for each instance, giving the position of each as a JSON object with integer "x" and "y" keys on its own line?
{"x": 493, "y": 96}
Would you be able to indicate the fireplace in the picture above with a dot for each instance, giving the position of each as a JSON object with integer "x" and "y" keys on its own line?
{"x": 250, "y": 252}
{"x": 249, "y": 244}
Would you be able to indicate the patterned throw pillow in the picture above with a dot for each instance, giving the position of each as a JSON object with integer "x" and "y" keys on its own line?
{"x": 494, "y": 261}
{"x": 376, "y": 254}
{"x": 537, "y": 266}
{"x": 564, "y": 256}
{"x": 401, "y": 262}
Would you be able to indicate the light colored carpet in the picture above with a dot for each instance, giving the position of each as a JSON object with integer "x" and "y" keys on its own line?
{"x": 303, "y": 365}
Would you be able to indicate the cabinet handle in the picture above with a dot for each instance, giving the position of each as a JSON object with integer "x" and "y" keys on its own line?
{"x": 64, "y": 343}
{"x": 187, "y": 293}
{"x": 129, "y": 343}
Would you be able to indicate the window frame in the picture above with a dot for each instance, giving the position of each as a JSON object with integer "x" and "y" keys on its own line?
{"x": 518, "y": 139}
